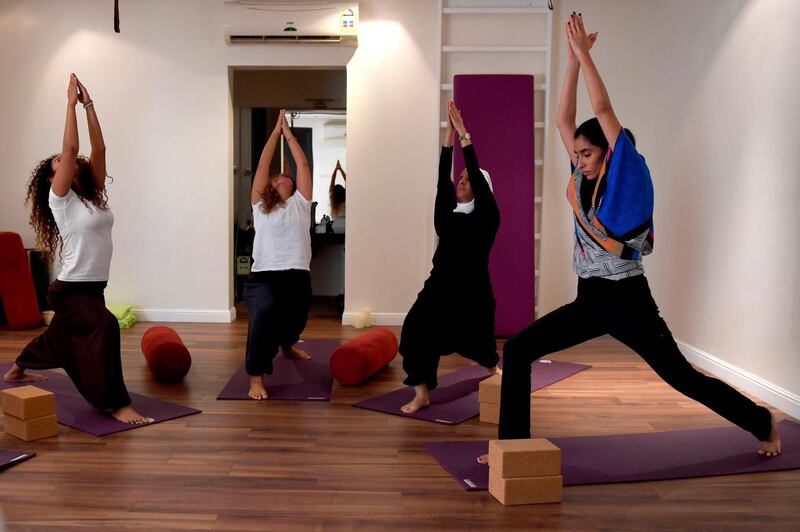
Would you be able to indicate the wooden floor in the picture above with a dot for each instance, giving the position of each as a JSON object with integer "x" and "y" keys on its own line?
{"x": 305, "y": 466}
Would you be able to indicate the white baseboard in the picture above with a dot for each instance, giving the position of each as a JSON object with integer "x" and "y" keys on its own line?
{"x": 185, "y": 315}
{"x": 780, "y": 398}
{"x": 378, "y": 318}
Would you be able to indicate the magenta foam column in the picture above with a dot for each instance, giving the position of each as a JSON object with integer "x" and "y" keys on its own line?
{"x": 498, "y": 113}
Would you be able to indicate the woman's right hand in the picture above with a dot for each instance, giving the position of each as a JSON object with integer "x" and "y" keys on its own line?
{"x": 455, "y": 117}
{"x": 580, "y": 41}
{"x": 570, "y": 52}
{"x": 72, "y": 90}
{"x": 281, "y": 120}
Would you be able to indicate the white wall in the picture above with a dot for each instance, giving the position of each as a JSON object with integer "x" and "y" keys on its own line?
{"x": 392, "y": 147}
{"x": 710, "y": 90}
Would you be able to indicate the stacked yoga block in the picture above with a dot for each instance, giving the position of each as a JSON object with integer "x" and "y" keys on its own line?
{"x": 29, "y": 413}
{"x": 525, "y": 471}
{"x": 489, "y": 397}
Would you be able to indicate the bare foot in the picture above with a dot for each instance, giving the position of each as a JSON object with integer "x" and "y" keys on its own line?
{"x": 483, "y": 459}
{"x": 421, "y": 400}
{"x": 295, "y": 354}
{"x": 127, "y": 414}
{"x": 772, "y": 446}
{"x": 257, "y": 390}
{"x": 17, "y": 374}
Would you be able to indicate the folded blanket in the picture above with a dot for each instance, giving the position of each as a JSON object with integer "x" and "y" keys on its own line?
{"x": 124, "y": 314}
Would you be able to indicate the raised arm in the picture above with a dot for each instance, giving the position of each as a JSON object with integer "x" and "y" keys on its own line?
{"x": 262, "y": 172}
{"x": 333, "y": 176}
{"x": 305, "y": 184}
{"x": 484, "y": 198}
{"x": 445, "y": 190}
{"x": 62, "y": 180}
{"x": 565, "y": 116}
{"x": 97, "y": 159}
{"x": 601, "y": 103}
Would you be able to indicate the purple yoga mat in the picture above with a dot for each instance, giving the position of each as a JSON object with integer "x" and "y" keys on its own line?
{"x": 291, "y": 380}
{"x": 503, "y": 135}
{"x": 12, "y": 458}
{"x": 73, "y": 411}
{"x": 636, "y": 457}
{"x": 455, "y": 400}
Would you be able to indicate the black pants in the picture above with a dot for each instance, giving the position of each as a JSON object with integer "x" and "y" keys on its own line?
{"x": 624, "y": 309}
{"x": 442, "y": 322}
{"x": 278, "y": 303}
{"x": 84, "y": 339}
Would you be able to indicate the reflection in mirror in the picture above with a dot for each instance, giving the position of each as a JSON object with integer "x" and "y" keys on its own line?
{"x": 328, "y": 132}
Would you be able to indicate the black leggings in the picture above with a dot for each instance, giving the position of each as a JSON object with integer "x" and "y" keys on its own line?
{"x": 278, "y": 304}
{"x": 624, "y": 309}
{"x": 84, "y": 339}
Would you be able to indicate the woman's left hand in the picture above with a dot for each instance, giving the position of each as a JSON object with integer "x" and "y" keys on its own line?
{"x": 287, "y": 132}
{"x": 579, "y": 40}
{"x": 83, "y": 94}
{"x": 455, "y": 117}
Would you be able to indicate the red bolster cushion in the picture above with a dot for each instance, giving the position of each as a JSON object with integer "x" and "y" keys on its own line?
{"x": 166, "y": 354}
{"x": 354, "y": 362}
{"x": 16, "y": 284}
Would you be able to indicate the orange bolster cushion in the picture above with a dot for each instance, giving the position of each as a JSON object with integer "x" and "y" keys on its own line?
{"x": 354, "y": 362}
{"x": 166, "y": 354}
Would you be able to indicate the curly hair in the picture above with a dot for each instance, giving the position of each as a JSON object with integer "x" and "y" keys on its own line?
{"x": 42, "y": 219}
{"x": 270, "y": 198}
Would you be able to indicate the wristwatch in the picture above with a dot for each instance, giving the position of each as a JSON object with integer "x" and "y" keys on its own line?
{"x": 465, "y": 136}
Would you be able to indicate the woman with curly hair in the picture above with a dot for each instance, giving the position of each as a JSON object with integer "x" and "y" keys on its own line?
{"x": 278, "y": 291}
{"x": 70, "y": 213}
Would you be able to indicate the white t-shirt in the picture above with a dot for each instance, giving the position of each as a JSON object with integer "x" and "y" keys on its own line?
{"x": 283, "y": 238}
{"x": 86, "y": 232}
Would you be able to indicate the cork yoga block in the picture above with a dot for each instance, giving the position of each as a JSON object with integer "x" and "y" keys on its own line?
{"x": 489, "y": 390}
{"x": 26, "y": 402}
{"x": 529, "y": 490}
{"x": 524, "y": 458}
{"x": 490, "y": 413}
{"x": 31, "y": 429}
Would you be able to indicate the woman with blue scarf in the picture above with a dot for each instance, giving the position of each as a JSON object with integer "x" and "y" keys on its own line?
{"x": 611, "y": 194}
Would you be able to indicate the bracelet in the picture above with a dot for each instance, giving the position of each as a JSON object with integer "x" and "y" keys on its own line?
{"x": 88, "y": 104}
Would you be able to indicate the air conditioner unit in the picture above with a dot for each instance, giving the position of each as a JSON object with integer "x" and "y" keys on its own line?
{"x": 296, "y": 22}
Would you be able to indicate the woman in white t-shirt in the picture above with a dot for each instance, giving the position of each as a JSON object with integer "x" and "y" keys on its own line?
{"x": 69, "y": 210}
{"x": 278, "y": 291}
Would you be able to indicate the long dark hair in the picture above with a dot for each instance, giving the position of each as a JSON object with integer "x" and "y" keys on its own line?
{"x": 41, "y": 219}
{"x": 592, "y": 132}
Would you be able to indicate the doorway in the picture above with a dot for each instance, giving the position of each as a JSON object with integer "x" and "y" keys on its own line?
{"x": 315, "y": 103}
